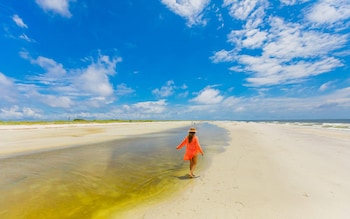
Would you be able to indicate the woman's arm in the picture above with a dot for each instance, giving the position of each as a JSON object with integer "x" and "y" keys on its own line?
{"x": 198, "y": 146}
{"x": 183, "y": 143}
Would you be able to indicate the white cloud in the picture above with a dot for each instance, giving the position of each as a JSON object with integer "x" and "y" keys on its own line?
{"x": 274, "y": 72}
{"x": 82, "y": 88}
{"x": 166, "y": 90}
{"x": 123, "y": 89}
{"x": 23, "y": 36}
{"x": 291, "y": 40}
{"x": 4, "y": 81}
{"x": 289, "y": 53}
{"x": 244, "y": 8}
{"x": 90, "y": 81}
{"x": 95, "y": 78}
{"x": 32, "y": 97}
{"x": 232, "y": 102}
{"x": 254, "y": 38}
{"x": 96, "y": 102}
{"x": 248, "y": 38}
{"x": 57, "y": 6}
{"x": 183, "y": 94}
{"x": 54, "y": 70}
{"x": 191, "y": 10}
{"x": 339, "y": 98}
{"x": 219, "y": 17}
{"x": 326, "y": 86}
{"x": 224, "y": 56}
{"x": 208, "y": 96}
{"x": 19, "y": 21}
{"x": 95, "y": 81}
{"x": 57, "y": 101}
{"x": 293, "y": 2}
{"x": 7, "y": 89}
{"x": 16, "y": 112}
{"x": 333, "y": 105}
{"x": 329, "y": 11}
{"x": 20, "y": 95}
{"x": 148, "y": 107}
{"x": 231, "y": 107}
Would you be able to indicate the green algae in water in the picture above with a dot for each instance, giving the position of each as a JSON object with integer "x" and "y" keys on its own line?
{"x": 95, "y": 181}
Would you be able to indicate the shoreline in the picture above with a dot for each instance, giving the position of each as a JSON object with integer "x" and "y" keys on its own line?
{"x": 93, "y": 174}
{"x": 18, "y": 140}
{"x": 268, "y": 171}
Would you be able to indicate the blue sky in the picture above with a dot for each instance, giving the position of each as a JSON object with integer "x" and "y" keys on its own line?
{"x": 174, "y": 59}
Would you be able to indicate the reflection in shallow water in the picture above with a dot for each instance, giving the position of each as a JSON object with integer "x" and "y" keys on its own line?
{"x": 97, "y": 180}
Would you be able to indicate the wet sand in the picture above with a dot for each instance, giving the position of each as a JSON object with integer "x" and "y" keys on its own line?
{"x": 269, "y": 171}
{"x": 24, "y": 139}
{"x": 266, "y": 171}
{"x": 92, "y": 179}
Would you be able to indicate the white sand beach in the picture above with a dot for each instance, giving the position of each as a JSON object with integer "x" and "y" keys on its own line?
{"x": 21, "y": 139}
{"x": 266, "y": 171}
{"x": 269, "y": 171}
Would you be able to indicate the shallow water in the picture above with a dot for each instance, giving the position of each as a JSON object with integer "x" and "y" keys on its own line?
{"x": 99, "y": 180}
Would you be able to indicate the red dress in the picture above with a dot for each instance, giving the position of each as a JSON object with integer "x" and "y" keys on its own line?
{"x": 191, "y": 148}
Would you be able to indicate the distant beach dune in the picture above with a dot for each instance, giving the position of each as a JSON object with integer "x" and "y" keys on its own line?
{"x": 266, "y": 171}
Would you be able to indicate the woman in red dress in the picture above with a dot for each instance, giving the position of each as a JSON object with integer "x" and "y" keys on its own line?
{"x": 192, "y": 149}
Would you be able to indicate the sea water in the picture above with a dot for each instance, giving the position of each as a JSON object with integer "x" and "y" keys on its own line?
{"x": 100, "y": 180}
{"x": 338, "y": 124}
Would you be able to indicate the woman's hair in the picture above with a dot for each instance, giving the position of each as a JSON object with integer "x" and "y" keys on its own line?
{"x": 190, "y": 136}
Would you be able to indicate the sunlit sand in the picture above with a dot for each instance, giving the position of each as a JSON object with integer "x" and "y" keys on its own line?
{"x": 270, "y": 171}
{"x": 90, "y": 179}
{"x": 263, "y": 170}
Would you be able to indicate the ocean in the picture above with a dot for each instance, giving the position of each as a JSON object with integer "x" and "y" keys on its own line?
{"x": 318, "y": 123}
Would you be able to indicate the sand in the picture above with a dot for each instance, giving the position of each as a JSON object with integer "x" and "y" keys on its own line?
{"x": 23, "y": 139}
{"x": 266, "y": 171}
{"x": 269, "y": 171}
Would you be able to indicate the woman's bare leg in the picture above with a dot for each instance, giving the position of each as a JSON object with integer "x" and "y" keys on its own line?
{"x": 191, "y": 166}
{"x": 193, "y": 163}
